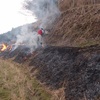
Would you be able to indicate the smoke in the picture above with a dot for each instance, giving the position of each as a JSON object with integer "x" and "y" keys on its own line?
{"x": 27, "y": 39}
{"x": 45, "y": 10}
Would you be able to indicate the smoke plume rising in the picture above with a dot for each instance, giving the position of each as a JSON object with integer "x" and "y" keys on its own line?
{"x": 27, "y": 39}
{"x": 46, "y": 11}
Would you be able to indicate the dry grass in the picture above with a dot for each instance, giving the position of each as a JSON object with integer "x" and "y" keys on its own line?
{"x": 58, "y": 94}
{"x": 16, "y": 84}
{"x": 67, "y": 4}
{"x": 77, "y": 26}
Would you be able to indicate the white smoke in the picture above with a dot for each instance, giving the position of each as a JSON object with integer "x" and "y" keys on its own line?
{"x": 46, "y": 11}
{"x": 27, "y": 39}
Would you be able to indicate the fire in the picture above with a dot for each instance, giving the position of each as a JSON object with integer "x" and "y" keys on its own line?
{"x": 4, "y": 47}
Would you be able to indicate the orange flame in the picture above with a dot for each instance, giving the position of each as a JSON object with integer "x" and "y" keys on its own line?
{"x": 4, "y": 47}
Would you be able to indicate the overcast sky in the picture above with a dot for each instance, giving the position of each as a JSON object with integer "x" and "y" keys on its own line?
{"x": 12, "y": 15}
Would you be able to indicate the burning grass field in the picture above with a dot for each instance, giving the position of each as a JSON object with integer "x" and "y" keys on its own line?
{"x": 16, "y": 84}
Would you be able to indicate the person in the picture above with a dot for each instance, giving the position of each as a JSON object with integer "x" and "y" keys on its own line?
{"x": 40, "y": 32}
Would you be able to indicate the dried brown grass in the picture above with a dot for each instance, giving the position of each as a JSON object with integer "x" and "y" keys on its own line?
{"x": 77, "y": 26}
{"x": 67, "y": 4}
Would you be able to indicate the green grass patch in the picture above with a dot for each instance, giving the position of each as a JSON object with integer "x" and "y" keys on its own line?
{"x": 4, "y": 94}
{"x": 16, "y": 84}
{"x": 88, "y": 43}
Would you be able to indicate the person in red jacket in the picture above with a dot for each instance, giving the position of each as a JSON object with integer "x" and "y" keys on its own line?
{"x": 41, "y": 31}
{"x": 40, "y": 37}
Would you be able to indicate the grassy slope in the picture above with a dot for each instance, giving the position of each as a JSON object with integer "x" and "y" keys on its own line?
{"x": 16, "y": 84}
{"x": 78, "y": 25}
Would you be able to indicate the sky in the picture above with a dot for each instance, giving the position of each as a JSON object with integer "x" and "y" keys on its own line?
{"x": 13, "y": 15}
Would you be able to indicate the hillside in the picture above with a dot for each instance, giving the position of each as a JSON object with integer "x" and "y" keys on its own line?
{"x": 11, "y": 36}
{"x": 78, "y": 24}
{"x": 68, "y": 67}
{"x": 73, "y": 73}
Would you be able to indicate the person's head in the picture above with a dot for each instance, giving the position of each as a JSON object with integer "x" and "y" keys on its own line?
{"x": 41, "y": 28}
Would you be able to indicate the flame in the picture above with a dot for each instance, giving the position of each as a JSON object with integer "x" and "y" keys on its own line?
{"x": 4, "y": 47}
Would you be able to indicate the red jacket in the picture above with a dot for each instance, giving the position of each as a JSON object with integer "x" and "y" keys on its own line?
{"x": 40, "y": 32}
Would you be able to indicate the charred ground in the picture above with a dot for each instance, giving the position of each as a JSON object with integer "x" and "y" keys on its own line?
{"x": 76, "y": 69}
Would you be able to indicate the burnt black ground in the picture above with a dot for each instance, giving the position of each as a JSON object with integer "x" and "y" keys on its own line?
{"x": 76, "y": 69}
